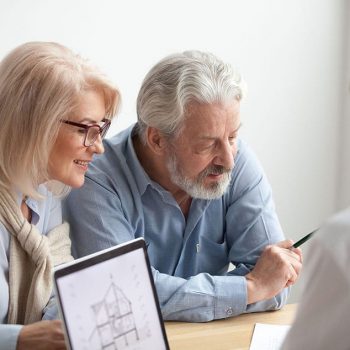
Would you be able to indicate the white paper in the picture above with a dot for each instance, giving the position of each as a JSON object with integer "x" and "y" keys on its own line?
{"x": 268, "y": 336}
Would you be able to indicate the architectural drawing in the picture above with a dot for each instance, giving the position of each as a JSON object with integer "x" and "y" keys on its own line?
{"x": 115, "y": 323}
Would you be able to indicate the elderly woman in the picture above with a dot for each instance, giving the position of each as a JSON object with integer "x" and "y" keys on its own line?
{"x": 55, "y": 108}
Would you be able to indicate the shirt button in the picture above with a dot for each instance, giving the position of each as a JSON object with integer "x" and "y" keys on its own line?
{"x": 229, "y": 311}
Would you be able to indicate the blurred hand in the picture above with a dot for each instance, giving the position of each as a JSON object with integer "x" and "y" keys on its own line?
{"x": 278, "y": 267}
{"x": 42, "y": 335}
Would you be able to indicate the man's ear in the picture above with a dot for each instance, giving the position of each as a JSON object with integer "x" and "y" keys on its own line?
{"x": 156, "y": 140}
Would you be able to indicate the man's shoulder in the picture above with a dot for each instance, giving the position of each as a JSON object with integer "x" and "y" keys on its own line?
{"x": 245, "y": 160}
{"x": 113, "y": 159}
{"x": 120, "y": 138}
{"x": 244, "y": 151}
{"x": 110, "y": 169}
{"x": 247, "y": 173}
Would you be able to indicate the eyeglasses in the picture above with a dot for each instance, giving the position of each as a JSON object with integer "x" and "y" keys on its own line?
{"x": 91, "y": 131}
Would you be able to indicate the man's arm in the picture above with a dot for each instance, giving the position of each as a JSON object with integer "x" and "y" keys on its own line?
{"x": 254, "y": 235}
{"x": 98, "y": 221}
{"x": 101, "y": 223}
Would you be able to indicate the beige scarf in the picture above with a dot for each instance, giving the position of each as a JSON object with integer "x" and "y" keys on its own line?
{"x": 32, "y": 257}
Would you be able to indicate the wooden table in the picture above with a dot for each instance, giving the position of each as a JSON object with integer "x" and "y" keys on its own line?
{"x": 232, "y": 333}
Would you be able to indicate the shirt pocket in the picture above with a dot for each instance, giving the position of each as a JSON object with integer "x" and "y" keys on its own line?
{"x": 213, "y": 256}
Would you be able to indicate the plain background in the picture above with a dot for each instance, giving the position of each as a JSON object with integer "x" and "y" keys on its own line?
{"x": 293, "y": 55}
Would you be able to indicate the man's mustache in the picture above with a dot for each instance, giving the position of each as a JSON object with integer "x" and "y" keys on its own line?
{"x": 215, "y": 170}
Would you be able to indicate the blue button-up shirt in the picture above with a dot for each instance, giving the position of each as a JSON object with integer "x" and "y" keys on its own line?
{"x": 46, "y": 214}
{"x": 189, "y": 258}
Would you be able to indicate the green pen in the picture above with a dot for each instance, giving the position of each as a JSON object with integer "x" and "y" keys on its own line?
{"x": 304, "y": 239}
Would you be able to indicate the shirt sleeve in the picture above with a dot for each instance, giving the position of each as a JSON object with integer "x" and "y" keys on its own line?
{"x": 203, "y": 298}
{"x": 50, "y": 312}
{"x": 97, "y": 224}
{"x": 8, "y": 336}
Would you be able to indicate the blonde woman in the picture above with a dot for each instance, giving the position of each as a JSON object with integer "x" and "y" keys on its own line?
{"x": 55, "y": 109}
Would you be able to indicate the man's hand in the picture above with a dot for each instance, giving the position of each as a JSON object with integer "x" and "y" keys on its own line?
{"x": 42, "y": 335}
{"x": 278, "y": 267}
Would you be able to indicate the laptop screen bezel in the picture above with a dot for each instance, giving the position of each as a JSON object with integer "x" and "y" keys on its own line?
{"x": 99, "y": 257}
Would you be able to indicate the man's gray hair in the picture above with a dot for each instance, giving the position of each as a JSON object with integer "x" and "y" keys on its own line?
{"x": 177, "y": 80}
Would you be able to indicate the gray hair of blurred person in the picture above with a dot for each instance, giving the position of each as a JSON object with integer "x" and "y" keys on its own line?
{"x": 178, "y": 80}
{"x": 41, "y": 84}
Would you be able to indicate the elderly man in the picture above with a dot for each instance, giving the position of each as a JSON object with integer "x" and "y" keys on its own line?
{"x": 182, "y": 179}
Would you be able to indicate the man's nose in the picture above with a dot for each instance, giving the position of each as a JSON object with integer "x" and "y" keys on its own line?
{"x": 225, "y": 156}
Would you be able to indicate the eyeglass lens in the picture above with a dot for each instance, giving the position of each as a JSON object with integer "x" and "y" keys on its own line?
{"x": 93, "y": 132}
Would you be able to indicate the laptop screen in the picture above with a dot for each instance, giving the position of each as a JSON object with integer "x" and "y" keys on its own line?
{"x": 108, "y": 300}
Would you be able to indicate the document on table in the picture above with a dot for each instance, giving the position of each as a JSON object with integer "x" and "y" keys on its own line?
{"x": 268, "y": 336}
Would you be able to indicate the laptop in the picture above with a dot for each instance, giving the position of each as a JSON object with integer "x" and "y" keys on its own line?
{"x": 108, "y": 301}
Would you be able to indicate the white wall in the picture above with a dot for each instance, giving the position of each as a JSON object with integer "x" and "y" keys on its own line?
{"x": 291, "y": 54}
{"x": 343, "y": 194}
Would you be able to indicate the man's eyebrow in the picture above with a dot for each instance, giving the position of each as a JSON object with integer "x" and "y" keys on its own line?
{"x": 208, "y": 137}
{"x": 239, "y": 126}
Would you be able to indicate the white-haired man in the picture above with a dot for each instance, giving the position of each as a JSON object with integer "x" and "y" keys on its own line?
{"x": 183, "y": 180}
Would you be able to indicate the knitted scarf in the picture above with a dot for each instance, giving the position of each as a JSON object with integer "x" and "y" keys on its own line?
{"x": 32, "y": 257}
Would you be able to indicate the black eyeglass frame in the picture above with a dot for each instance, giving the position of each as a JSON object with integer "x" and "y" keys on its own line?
{"x": 102, "y": 129}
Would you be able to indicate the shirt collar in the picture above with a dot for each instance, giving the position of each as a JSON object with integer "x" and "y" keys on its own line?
{"x": 141, "y": 177}
{"x": 32, "y": 205}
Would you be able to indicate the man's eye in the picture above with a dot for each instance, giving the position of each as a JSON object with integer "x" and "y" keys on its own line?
{"x": 232, "y": 140}
{"x": 81, "y": 131}
{"x": 209, "y": 146}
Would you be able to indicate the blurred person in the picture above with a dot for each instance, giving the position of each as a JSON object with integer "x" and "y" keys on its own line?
{"x": 324, "y": 310}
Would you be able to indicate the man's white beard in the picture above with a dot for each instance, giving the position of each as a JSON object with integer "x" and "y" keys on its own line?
{"x": 196, "y": 188}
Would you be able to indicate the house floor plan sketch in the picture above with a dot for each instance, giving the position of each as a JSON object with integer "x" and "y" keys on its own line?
{"x": 115, "y": 321}
{"x": 109, "y": 306}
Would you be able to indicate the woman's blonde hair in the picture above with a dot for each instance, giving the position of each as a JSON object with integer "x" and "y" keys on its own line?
{"x": 40, "y": 84}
